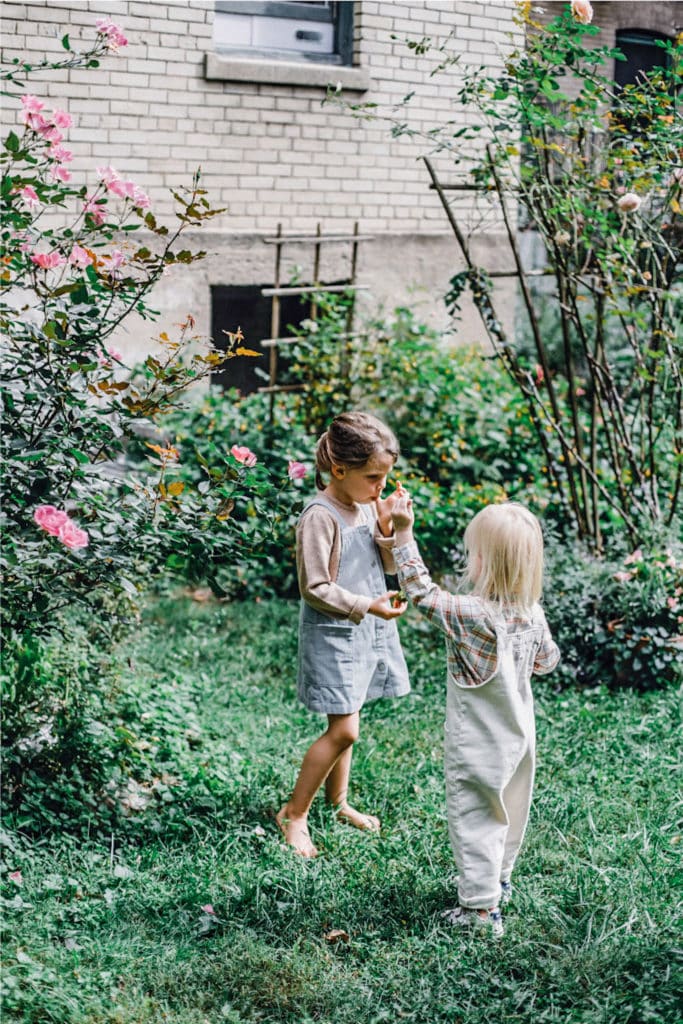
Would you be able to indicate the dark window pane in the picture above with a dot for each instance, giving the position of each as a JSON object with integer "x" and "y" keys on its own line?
{"x": 234, "y": 306}
{"x": 642, "y": 55}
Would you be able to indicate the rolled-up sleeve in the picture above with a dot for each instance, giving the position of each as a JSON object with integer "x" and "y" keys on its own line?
{"x": 436, "y": 604}
{"x": 386, "y": 550}
{"x": 548, "y": 654}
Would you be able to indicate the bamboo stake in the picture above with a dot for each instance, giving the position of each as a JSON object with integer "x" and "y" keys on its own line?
{"x": 580, "y": 514}
{"x": 499, "y": 340}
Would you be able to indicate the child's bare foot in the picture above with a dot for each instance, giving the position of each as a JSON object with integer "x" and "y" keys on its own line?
{"x": 350, "y": 816}
{"x": 295, "y": 831}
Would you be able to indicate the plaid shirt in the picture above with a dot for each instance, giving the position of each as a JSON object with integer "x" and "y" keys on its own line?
{"x": 468, "y": 623}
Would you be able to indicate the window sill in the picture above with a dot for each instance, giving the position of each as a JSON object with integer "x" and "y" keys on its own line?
{"x": 219, "y": 67}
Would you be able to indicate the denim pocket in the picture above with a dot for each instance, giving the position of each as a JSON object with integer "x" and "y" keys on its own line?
{"x": 327, "y": 655}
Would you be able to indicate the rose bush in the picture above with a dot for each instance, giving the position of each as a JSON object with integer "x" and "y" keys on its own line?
{"x": 73, "y": 272}
{"x": 84, "y": 531}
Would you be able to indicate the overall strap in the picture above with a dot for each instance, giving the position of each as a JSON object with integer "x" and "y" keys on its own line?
{"x": 330, "y": 508}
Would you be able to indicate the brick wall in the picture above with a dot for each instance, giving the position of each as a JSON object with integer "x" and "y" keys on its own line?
{"x": 272, "y": 153}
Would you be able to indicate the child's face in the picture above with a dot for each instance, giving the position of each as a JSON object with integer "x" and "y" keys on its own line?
{"x": 364, "y": 483}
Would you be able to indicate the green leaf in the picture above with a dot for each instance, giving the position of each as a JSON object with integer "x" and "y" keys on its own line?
{"x": 65, "y": 42}
{"x": 12, "y": 143}
{"x": 79, "y": 456}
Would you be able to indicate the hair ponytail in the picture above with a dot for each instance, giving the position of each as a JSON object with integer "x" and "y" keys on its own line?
{"x": 323, "y": 462}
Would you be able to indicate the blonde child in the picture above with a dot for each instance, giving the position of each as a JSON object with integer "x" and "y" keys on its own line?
{"x": 349, "y": 649}
{"x": 496, "y": 637}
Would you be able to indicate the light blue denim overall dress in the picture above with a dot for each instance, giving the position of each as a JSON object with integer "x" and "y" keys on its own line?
{"x": 344, "y": 664}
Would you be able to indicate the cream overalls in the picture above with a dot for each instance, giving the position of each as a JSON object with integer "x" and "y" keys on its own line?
{"x": 490, "y": 735}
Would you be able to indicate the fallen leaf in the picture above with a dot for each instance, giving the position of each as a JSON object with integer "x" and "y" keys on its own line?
{"x": 337, "y": 935}
{"x": 121, "y": 871}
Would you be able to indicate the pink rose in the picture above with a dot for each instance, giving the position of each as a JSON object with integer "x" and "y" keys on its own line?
{"x": 623, "y": 577}
{"x": 243, "y": 455}
{"x": 30, "y": 196}
{"x": 208, "y": 908}
{"x": 59, "y": 173}
{"x": 108, "y": 175}
{"x": 118, "y": 187}
{"x": 48, "y": 260}
{"x": 62, "y": 119}
{"x": 582, "y": 11}
{"x": 71, "y": 536}
{"x": 128, "y": 190}
{"x": 31, "y": 104}
{"x": 80, "y": 257}
{"x": 112, "y": 353}
{"x": 50, "y": 518}
{"x": 636, "y": 556}
{"x": 296, "y": 470}
{"x": 15, "y": 876}
{"x": 116, "y": 261}
{"x": 629, "y": 203}
{"x": 114, "y": 35}
{"x": 94, "y": 209}
{"x": 140, "y": 198}
{"x": 50, "y": 133}
{"x": 60, "y": 153}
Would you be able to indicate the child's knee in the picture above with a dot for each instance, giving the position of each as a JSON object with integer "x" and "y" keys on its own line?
{"x": 345, "y": 731}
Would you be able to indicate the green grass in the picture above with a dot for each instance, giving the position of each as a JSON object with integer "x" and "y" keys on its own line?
{"x": 110, "y": 930}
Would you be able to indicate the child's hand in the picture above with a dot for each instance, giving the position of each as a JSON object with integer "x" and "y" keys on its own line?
{"x": 402, "y": 514}
{"x": 384, "y": 608}
{"x": 385, "y": 507}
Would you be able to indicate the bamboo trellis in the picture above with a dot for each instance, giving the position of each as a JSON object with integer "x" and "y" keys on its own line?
{"x": 315, "y": 288}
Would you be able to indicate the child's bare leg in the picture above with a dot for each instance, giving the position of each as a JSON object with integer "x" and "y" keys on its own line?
{"x": 336, "y": 792}
{"x": 341, "y": 734}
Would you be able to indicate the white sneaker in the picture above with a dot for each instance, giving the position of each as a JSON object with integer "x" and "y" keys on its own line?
{"x": 505, "y": 893}
{"x": 464, "y": 917}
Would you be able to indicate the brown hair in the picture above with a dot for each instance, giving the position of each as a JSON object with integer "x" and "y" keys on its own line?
{"x": 350, "y": 440}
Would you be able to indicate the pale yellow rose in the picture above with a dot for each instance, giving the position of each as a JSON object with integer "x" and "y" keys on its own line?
{"x": 582, "y": 11}
{"x": 629, "y": 202}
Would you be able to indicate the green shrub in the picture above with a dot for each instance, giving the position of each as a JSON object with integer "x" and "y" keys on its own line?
{"x": 80, "y": 533}
{"x": 618, "y": 622}
{"x": 464, "y": 434}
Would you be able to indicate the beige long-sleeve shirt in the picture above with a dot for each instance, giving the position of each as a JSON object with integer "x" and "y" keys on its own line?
{"x": 318, "y": 553}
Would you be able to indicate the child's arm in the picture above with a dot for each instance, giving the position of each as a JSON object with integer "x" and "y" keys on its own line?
{"x": 471, "y": 636}
{"x": 317, "y": 553}
{"x": 384, "y": 528}
{"x": 548, "y": 654}
{"x": 444, "y": 609}
{"x": 318, "y": 549}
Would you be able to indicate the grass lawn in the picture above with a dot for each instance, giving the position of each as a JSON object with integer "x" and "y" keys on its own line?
{"x": 110, "y": 929}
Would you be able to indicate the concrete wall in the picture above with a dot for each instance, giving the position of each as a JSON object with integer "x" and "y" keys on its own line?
{"x": 269, "y": 149}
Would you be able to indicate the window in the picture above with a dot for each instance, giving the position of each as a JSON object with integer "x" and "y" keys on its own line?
{"x": 321, "y": 32}
{"x": 642, "y": 55}
{"x": 244, "y": 306}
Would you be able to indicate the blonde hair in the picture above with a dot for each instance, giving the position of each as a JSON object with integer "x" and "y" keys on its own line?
{"x": 504, "y": 547}
{"x": 351, "y": 440}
